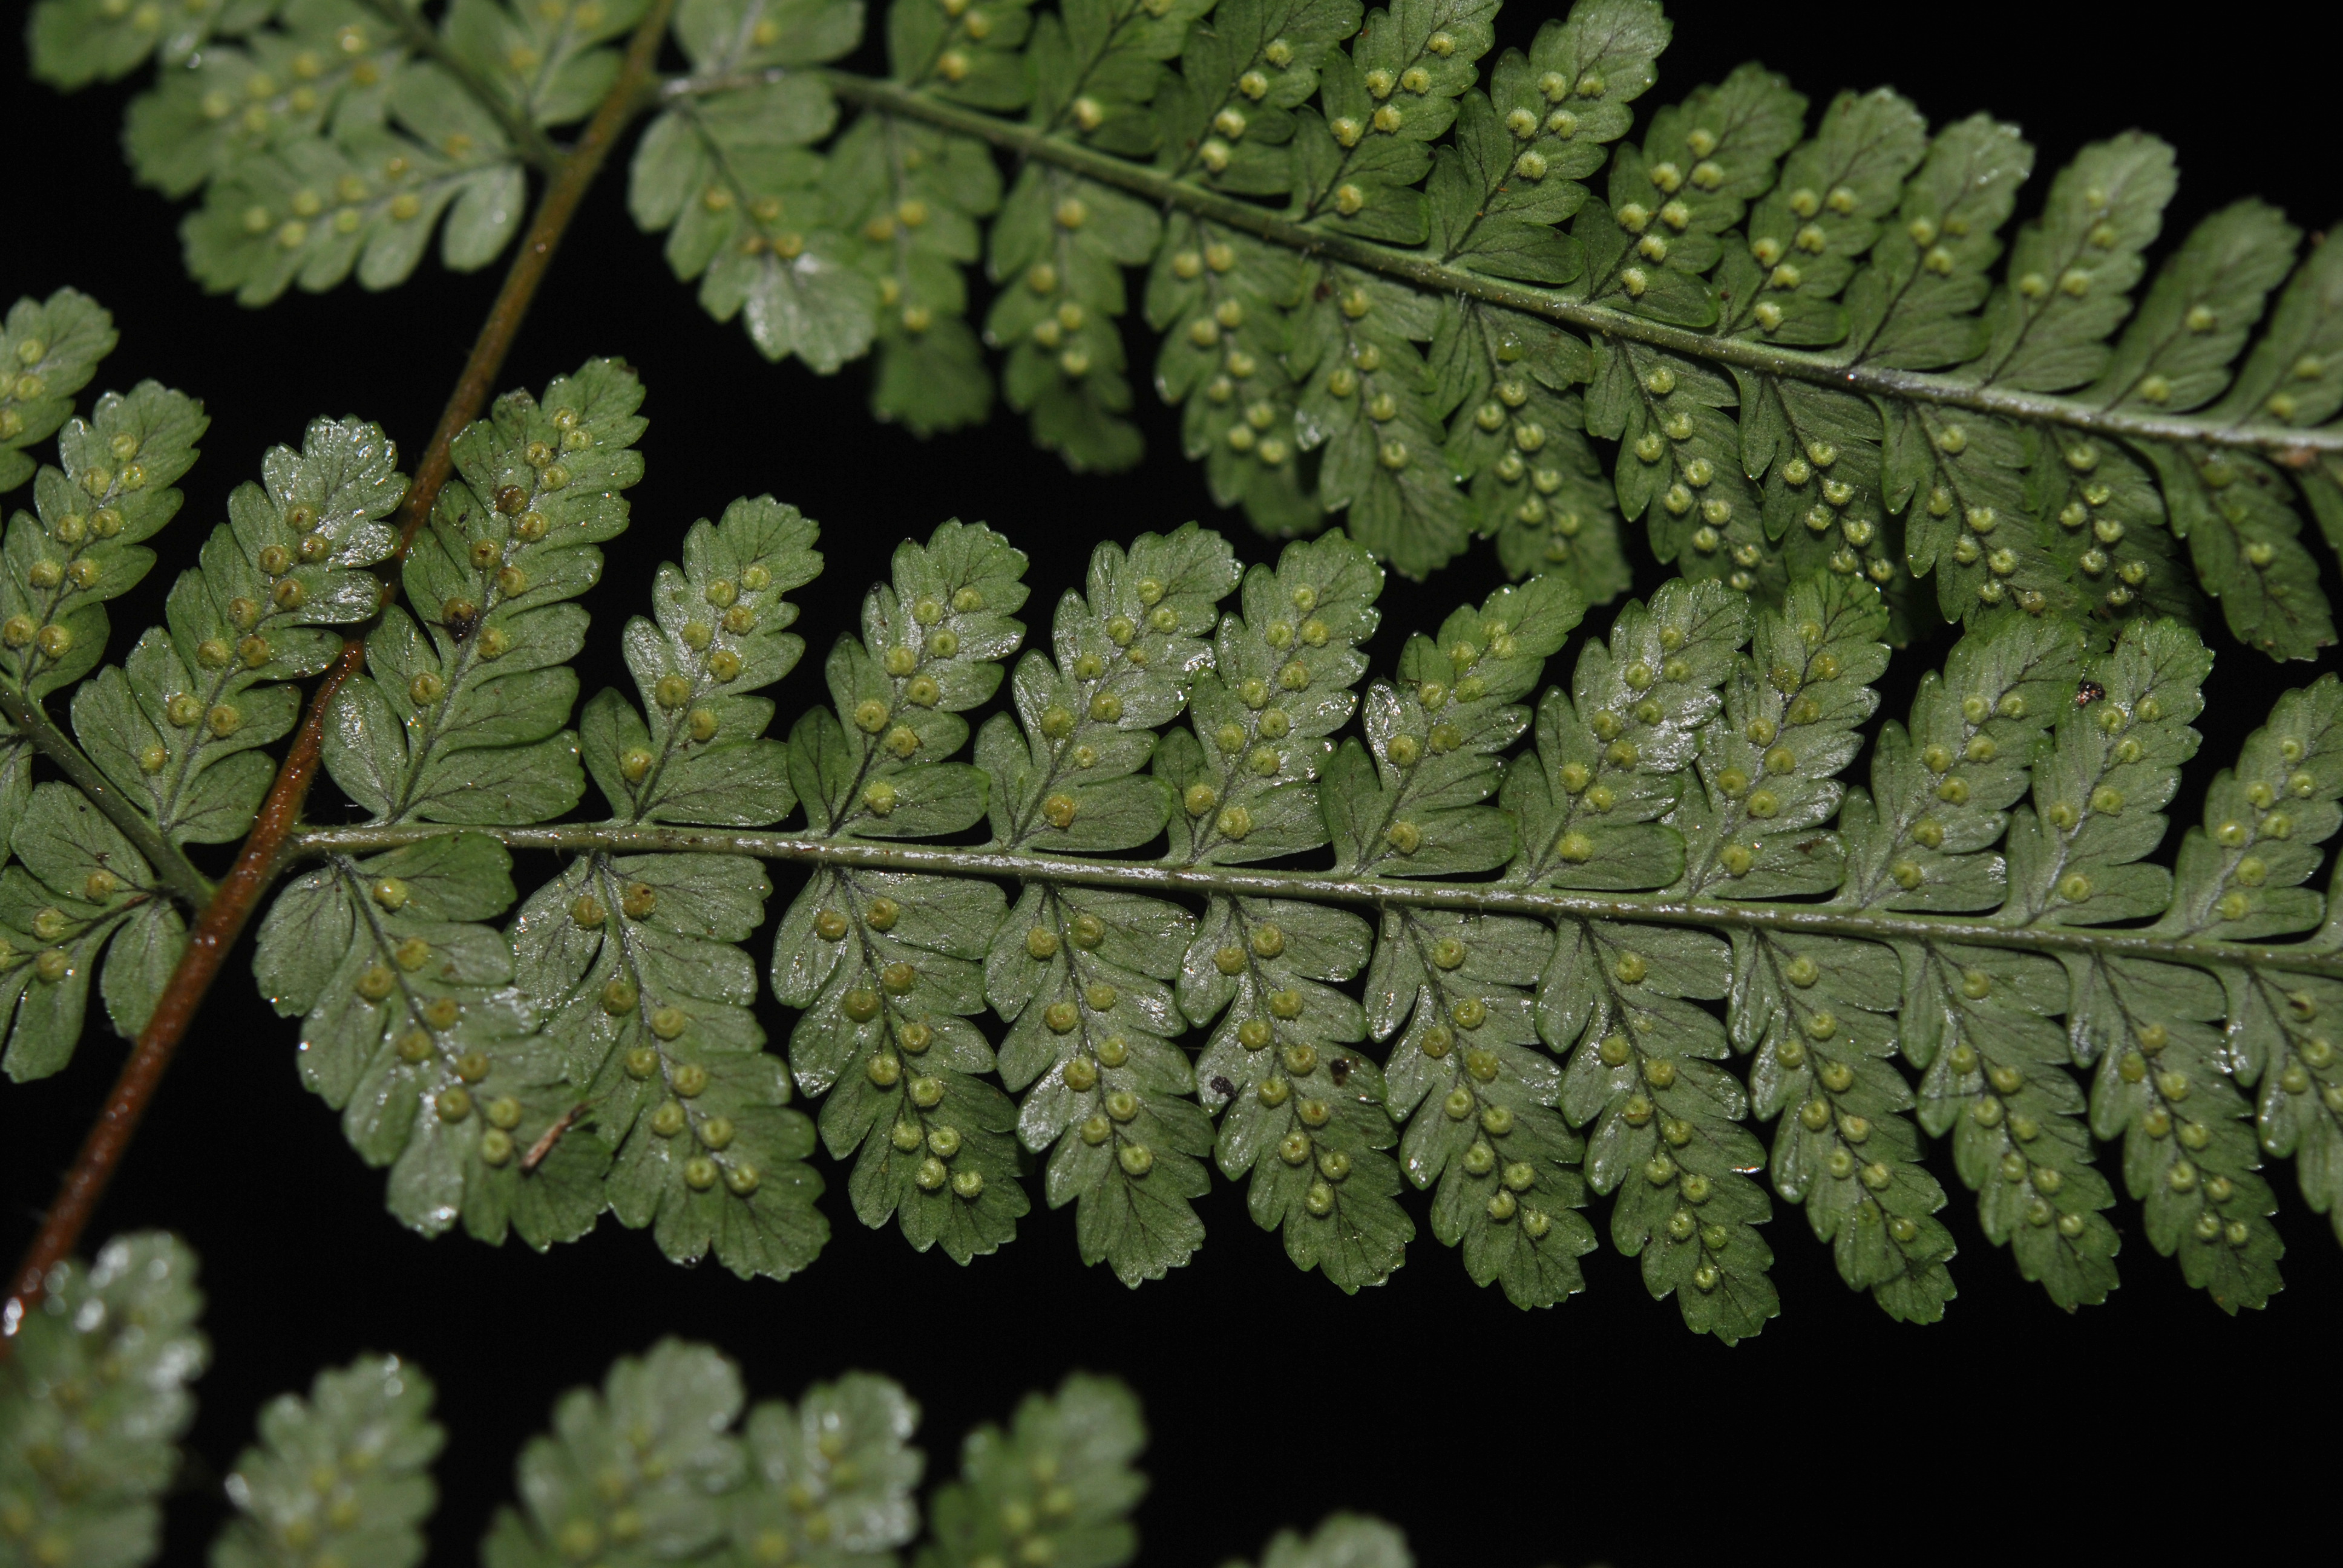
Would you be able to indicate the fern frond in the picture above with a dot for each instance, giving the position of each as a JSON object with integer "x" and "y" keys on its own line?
{"x": 113, "y": 490}
{"x": 1058, "y": 1483}
{"x": 1082, "y": 979}
{"x": 631, "y": 954}
{"x": 1738, "y": 326}
{"x": 79, "y": 894}
{"x": 1385, "y": 286}
{"x": 333, "y": 136}
{"x": 177, "y": 727}
{"x": 662, "y": 1462}
{"x": 48, "y": 351}
{"x": 893, "y": 971}
{"x": 170, "y": 739}
{"x": 1546, "y": 923}
{"x": 665, "y": 1462}
{"x": 412, "y": 1022}
{"x": 654, "y": 1442}
{"x": 1344, "y": 1541}
{"x": 93, "y": 1401}
{"x": 76, "y": 42}
{"x": 341, "y": 1473}
{"x": 1747, "y": 330}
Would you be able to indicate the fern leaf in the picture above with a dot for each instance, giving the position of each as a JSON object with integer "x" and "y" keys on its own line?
{"x": 505, "y": 548}
{"x": 93, "y": 1400}
{"x": 2256, "y": 886}
{"x": 915, "y": 196}
{"x": 1819, "y": 1014}
{"x": 631, "y": 958}
{"x": 1245, "y": 777}
{"x": 175, "y": 732}
{"x": 1369, "y": 148}
{"x": 113, "y": 491}
{"x": 1095, "y": 69}
{"x": 1219, "y": 299}
{"x": 1605, "y": 767}
{"x": 1058, "y": 1483}
{"x": 2300, "y": 1110}
{"x": 1344, "y": 1541}
{"x": 76, "y": 42}
{"x": 1082, "y": 978}
{"x": 1913, "y": 307}
{"x": 696, "y": 751}
{"x": 1065, "y": 362}
{"x": 178, "y": 726}
{"x": 550, "y": 69}
{"x": 1835, "y": 191}
{"x": 928, "y": 47}
{"x": 1971, "y": 1016}
{"x": 640, "y": 1461}
{"x": 1538, "y": 484}
{"x": 414, "y": 1031}
{"x": 1406, "y": 340}
{"x": 893, "y": 971}
{"x": 365, "y": 1432}
{"x": 1247, "y": 67}
{"x": 48, "y": 351}
{"x": 413, "y": 1028}
{"x": 830, "y": 1478}
{"x": 1278, "y": 1067}
{"x": 745, "y": 207}
{"x": 281, "y": 85}
{"x": 1548, "y": 921}
{"x": 328, "y": 144}
{"x": 1685, "y": 781}
{"x": 1515, "y": 172}
{"x": 661, "y": 1463}
{"x": 1421, "y": 816}
{"x": 1080, "y": 975}
{"x": 1276, "y": 687}
{"x": 79, "y": 889}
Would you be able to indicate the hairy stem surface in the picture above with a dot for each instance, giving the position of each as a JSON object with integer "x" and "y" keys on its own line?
{"x": 1479, "y": 897}
{"x": 257, "y": 864}
{"x": 2293, "y": 446}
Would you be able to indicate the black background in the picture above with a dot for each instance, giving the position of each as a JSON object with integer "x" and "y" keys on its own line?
{"x": 1601, "y": 1429}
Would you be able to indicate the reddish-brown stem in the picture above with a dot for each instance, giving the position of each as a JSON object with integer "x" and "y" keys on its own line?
{"x": 257, "y": 864}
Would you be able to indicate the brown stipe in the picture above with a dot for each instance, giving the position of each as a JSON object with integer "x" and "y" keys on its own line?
{"x": 223, "y": 919}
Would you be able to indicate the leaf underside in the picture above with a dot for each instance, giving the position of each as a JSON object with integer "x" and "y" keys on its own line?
{"x": 1518, "y": 1047}
{"x": 667, "y": 1461}
{"x": 1546, "y": 954}
{"x": 1400, "y": 276}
